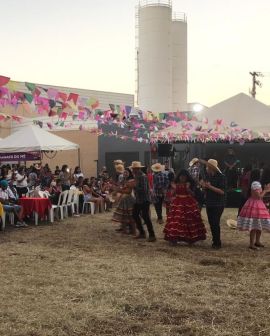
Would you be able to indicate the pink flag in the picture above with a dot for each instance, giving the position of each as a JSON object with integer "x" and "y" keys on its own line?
{"x": 14, "y": 101}
{"x": 52, "y": 93}
{"x": 37, "y": 92}
{"x": 64, "y": 115}
{"x": 19, "y": 95}
{"x": 3, "y": 92}
{"x": 81, "y": 115}
{"x": 219, "y": 122}
{"x": 183, "y": 116}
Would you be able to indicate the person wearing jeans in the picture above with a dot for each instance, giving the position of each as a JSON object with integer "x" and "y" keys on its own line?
{"x": 9, "y": 204}
{"x": 214, "y": 186}
{"x": 142, "y": 202}
{"x": 160, "y": 186}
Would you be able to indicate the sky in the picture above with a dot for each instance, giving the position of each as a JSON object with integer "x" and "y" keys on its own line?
{"x": 91, "y": 44}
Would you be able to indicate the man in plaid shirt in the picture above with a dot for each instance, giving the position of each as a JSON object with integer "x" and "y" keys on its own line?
{"x": 195, "y": 170}
{"x": 160, "y": 185}
{"x": 196, "y": 173}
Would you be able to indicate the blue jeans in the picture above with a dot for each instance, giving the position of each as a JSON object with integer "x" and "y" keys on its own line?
{"x": 12, "y": 208}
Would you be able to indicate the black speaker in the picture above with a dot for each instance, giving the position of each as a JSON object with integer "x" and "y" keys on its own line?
{"x": 165, "y": 150}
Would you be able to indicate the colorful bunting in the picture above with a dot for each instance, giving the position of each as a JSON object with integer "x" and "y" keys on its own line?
{"x": 28, "y": 97}
{"x": 64, "y": 115}
{"x": 73, "y": 97}
{"x": 133, "y": 124}
{"x": 4, "y": 80}
{"x": 30, "y": 86}
{"x": 52, "y": 94}
{"x": 63, "y": 96}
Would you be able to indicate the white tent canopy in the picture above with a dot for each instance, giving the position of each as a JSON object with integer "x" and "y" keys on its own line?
{"x": 242, "y": 110}
{"x": 34, "y": 139}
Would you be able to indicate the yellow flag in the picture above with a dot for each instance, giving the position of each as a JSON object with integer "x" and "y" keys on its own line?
{"x": 12, "y": 86}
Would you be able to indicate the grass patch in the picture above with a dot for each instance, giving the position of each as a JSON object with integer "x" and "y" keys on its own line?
{"x": 81, "y": 278}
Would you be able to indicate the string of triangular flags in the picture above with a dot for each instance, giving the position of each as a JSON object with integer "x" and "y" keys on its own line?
{"x": 71, "y": 109}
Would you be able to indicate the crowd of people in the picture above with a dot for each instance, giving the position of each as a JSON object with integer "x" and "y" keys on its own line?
{"x": 41, "y": 181}
{"x": 184, "y": 194}
{"x": 177, "y": 198}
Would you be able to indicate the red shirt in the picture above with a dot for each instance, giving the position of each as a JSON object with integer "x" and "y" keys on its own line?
{"x": 245, "y": 183}
{"x": 150, "y": 180}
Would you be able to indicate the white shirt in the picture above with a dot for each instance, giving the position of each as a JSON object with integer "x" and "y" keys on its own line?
{"x": 3, "y": 194}
{"x": 11, "y": 194}
{"x": 22, "y": 184}
{"x": 76, "y": 176}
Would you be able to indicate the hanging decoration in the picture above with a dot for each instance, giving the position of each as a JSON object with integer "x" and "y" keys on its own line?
{"x": 70, "y": 110}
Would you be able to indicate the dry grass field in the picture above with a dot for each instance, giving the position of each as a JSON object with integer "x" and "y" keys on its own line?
{"x": 81, "y": 278}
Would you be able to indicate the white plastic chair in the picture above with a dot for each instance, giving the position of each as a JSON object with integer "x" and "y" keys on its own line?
{"x": 75, "y": 203}
{"x": 59, "y": 207}
{"x": 88, "y": 205}
{"x": 70, "y": 201}
{"x": 11, "y": 218}
{"x": 64, "y": 203}
{"x": 3, "y": 219}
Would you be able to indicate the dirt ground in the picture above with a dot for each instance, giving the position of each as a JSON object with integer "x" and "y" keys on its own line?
{"x": 79, "y": 277}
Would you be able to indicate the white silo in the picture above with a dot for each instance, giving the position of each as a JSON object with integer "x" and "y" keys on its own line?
{"x": 155, "y": 56}
{"x": 179, "y": 62}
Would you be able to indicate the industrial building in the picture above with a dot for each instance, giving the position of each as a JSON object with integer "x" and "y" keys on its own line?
{"x": 161, "y": 72}
{"x": 161, "y": 42}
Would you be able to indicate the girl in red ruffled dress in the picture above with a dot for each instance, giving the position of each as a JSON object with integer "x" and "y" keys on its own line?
{"x": 184, "y": 221}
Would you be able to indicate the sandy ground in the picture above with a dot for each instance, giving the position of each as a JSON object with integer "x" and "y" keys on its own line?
{"x": 79, "y": 277}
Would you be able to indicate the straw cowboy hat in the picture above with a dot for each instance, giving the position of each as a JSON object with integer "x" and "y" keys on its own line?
{"x": 118, "y": 162}
{"x": 119, "y": 168}
{"x": 157, "y": 167}
{"x": 193, "y": 162}
{"x": 232, "y": 224}
{"x": 213, "y": 164}
{"x": 136, "y": 164}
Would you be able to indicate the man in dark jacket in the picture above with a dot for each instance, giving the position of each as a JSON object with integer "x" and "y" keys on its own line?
{"x": 142, "y": 202}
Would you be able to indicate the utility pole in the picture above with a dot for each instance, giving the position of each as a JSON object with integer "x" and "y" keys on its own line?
{"x": 255, "y": 82}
